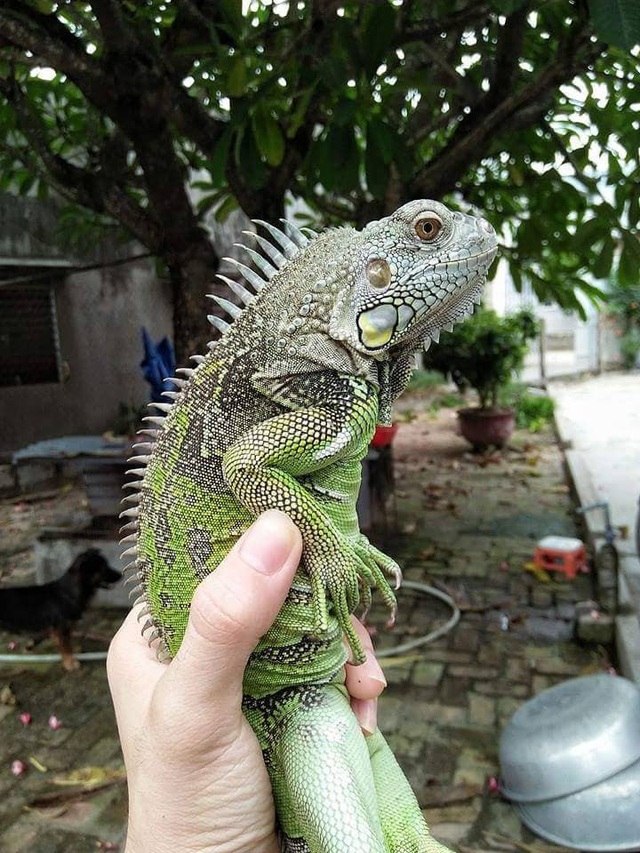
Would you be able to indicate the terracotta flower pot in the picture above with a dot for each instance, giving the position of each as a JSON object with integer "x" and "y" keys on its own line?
{"x": 485, "y": 428}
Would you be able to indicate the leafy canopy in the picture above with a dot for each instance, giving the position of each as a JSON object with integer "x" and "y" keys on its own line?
{"x": 153, "y": 114}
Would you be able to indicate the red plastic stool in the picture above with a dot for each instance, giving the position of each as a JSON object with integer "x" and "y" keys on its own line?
{"x": 561, "y": 554}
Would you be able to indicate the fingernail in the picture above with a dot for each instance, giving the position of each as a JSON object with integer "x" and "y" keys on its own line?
{"x": 379, "y": 678}
{"x": 366, "y": 711}
{"x": 268, "y": 542}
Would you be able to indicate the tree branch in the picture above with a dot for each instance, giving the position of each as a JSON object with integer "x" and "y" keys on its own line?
{"x": 508, "y": 52}
{"x": 43, "y": 35}
{"x": 476, "y": 131}
{"x": 458, "y": 21}
{"x": 90, "y": 189}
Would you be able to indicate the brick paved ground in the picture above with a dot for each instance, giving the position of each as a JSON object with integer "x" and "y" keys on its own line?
{"x": 470, "y": 525}
{"x": 467, "y": 524}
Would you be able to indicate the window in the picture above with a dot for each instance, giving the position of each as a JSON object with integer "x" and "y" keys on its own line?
{"x": 29, "y": 346}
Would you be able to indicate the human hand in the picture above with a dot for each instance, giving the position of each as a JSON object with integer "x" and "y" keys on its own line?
{"x": 196, "y": 776}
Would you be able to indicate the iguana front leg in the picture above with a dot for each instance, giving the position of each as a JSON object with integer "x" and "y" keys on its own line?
{"x": 264, "y": 469}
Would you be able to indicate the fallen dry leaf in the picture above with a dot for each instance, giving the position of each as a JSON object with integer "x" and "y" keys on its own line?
{"x": 38, "y": 764}
{"x": 90, "y": 777}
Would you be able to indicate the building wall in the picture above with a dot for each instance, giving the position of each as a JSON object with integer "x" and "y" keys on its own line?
{"x": 572, "y": 345}
{"x": 100, "y": 314}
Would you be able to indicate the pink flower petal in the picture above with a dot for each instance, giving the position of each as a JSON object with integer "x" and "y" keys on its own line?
{"x": 493, "y": 785}
{"x": 54, "y": 723}
{"x": 25, "y": 718}
{"x": 18, "y": 768}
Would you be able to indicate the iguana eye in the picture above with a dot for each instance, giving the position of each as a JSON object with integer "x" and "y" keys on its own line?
{"x": 379, "y": 274}
{"x": 428, "y": 228}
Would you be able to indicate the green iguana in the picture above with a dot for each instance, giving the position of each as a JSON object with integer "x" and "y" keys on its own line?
{"x": 279, "y": 414}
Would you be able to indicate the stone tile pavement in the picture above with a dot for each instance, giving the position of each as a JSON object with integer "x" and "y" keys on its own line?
{"x": 470, "y": 525}
{"x": 597, "y": 419}
{"x": 467, "y": 525}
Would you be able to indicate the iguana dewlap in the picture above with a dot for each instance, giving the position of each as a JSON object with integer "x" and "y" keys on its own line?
{"x": 279, "y": 414}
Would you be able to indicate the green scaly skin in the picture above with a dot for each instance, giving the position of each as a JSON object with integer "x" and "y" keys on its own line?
{"x": 280, "y": 414}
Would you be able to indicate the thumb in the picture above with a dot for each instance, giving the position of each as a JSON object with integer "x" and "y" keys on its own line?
{"x": 233, "y": 608}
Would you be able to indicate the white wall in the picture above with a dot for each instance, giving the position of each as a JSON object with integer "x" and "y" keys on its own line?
{"x": 100, "y": 314}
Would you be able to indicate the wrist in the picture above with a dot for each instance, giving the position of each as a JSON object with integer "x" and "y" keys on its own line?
{"x": 139, "y": 840}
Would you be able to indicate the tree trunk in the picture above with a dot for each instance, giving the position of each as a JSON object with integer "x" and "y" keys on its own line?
{"x": 192, "y": 277}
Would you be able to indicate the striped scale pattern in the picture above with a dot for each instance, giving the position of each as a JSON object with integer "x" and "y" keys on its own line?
{"x": 284, "y": 245}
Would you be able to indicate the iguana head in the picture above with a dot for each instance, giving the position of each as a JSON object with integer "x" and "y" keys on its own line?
{"x": 345, "y": 298}
{"x": 411, "y": 275}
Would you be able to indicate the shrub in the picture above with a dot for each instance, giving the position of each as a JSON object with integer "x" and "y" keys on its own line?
{"x": 533, "y": 410}
{"x": 484, "y": 352}
{"x": 630, "y": 347}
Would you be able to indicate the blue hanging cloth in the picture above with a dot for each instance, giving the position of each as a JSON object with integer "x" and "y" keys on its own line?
{"x": 158, "y": 366}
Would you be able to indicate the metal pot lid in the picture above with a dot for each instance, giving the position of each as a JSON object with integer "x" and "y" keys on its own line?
{"x": 570, "y": 737}
{"x": 605, "y": 817}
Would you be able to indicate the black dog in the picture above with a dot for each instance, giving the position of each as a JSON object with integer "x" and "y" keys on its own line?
{"x": 54, "y": 606}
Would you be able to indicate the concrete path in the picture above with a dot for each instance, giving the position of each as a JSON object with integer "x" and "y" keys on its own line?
{"x": 599, "y": 421}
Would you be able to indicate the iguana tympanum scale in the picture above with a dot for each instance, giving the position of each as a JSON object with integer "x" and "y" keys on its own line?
{"x": 279, "y": 414}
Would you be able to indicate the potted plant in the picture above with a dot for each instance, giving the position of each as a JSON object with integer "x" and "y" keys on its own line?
{"x": 623, "y": 305}
{"x": 485, "y": 353}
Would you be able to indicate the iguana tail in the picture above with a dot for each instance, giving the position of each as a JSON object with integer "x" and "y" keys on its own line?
{"x": 335, "y": 790}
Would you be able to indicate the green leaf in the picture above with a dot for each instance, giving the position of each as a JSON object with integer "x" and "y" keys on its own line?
{"x": 593, "y": 293}
{"x": 237, "y": 77}
{"x": 506, "y": 7}
{"x": 299, "y": 114}
{"x": 25, "y": 184}
{"x": 634, "y": 206}
{"x": 376, "y": 171}
{"x": 218, "y": 163}
{"x": 629, "y": 263}
{"x": 227, "y": 207}
{"x": 206, "y": 203}
{"x": 248, "y": 161}
{"x": 617, "y": 21}
{"x": 339, "y": 160}
{"x": 383, "y": 137}
{"x": 604, "y": 258}
{"x": 379, "y": 32}
{"x": 516, "y": 275}
{"x": 43, "y": 6}
{"x": 377, "y": 157}
{"x": 268, "y": 136}
{"x": 530, "y": 237}
{"x": 232, "y": 14}
{"x": 344, "y": 112}
{"x": 588, "y": 233}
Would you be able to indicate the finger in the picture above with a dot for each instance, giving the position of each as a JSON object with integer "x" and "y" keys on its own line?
{"x": 133, "y": 669}
{"x": 367, "y": 680}
{"x": 232, "y": 609}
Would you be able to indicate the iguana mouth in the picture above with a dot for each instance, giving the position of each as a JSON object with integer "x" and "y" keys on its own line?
{"x": 454, "y": 310}
{"x": 481, "y": 260}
